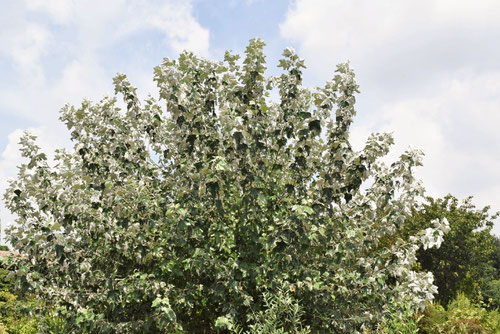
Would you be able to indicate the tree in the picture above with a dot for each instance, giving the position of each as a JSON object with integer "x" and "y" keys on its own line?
{"x": 200, "y": 215}
{"x": 496, "y": 256}
{"x": 465, "y": 260}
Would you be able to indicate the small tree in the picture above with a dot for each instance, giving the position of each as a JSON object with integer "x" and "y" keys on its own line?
{"x": 192, "y": 216}
{"x": 465, "y": 261}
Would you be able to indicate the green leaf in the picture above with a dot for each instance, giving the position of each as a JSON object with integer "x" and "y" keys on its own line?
{"x": 80, "y": 114}
{"x": 56, "y": 227}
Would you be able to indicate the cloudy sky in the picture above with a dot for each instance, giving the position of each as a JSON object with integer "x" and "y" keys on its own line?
{"x": 429, "y": 70}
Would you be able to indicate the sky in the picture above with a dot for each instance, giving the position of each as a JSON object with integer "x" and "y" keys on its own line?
{"x": 429, "y": 70}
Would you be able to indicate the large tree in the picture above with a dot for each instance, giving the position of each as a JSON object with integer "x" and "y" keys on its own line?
{"x": 466, "y": 260}
{"x": 219, "y": 205}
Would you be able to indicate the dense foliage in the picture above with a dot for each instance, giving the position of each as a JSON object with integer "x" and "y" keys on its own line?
{"x": 24, "y": 314}
{"x": 491, "y": 288}
{"x": 465, "y": 261}
{"x": 13, "y": 319}
{"x": 460, "y": 317}
{"x": 496, "y": 256}
{"x": 224, "y": 211}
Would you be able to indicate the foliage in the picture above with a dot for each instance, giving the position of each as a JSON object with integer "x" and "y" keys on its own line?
{"x": 281, "y": 314}
{"x": 28, "y": 315}
{"x": 24, "y": 314}
{"x": 434, "y": 315}
{"x": 14, "y": 315}
{"x": 491, "y": 293}
{"x": 4, "y": 248}
{"x": 401, "y": 319}
{"x": 491, "y": 289}
{"x": 496, "y": 256}
{"x": 464, "y": 261}
{"x": 461, "y": 316}
{"x": 186, "y": 217}
{"x": 6, "y": 282}
{"x": 50, "y": 321}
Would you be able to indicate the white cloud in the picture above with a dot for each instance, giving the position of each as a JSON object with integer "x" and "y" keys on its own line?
{"x": 27, "y": 47}
{"x": 457, "y": 128}
{"x": 428, "y": 71}
{"x": 59, "y": 10}
{"x": 398, "y": 39}
{"x": 180, "y": 27}
{"x": 23, "y": 42}
{"x": 102, "y": 22}
{"x": 76, "y": 36}
{"x": 479, "y": 13}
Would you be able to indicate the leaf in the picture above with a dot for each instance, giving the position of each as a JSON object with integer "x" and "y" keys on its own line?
{"x": 56, "y": 227}
{"x": 307, "y": 209}
{"x": 80, "y": 114}
{"x": 224, "y": 322}
{"x": 221, "y": 165}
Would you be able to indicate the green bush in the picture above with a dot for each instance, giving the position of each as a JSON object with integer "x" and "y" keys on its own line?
{"x": 401, "y": 318}
{"x": 15, "y": 315}
{"x": 6, "y": 283}
{"x": 52, "y": 322}
{"x": 27, "y": 314}
{"x": 6, "y": 280}
{"x": 460, "y": 317}
{"x": 190, "y": 212}
{"x": 281, "y": 313}
{"x": 491, "y": 293}
{"x": 14, "y": 312}
{"x": 433, "y": 315}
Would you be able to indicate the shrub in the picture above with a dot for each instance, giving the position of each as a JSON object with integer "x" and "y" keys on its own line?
{"x": 6, "y": 282}
{"x": 27, "y": 314}
{"x": 461, "y": 316}
{"x": 401, "y": 318}
{"x": 491, "y": 293}
{"x": 15, "y": 316}
{"x": 184, "y": 217}
{"x": 282, "y": 313}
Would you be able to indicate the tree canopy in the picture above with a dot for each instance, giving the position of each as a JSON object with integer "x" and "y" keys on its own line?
{"x": 205, "y": 210}
{"x": 466, "y": 260}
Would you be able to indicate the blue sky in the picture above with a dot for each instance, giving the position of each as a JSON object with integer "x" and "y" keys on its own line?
{"x": 428, "y": 69}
